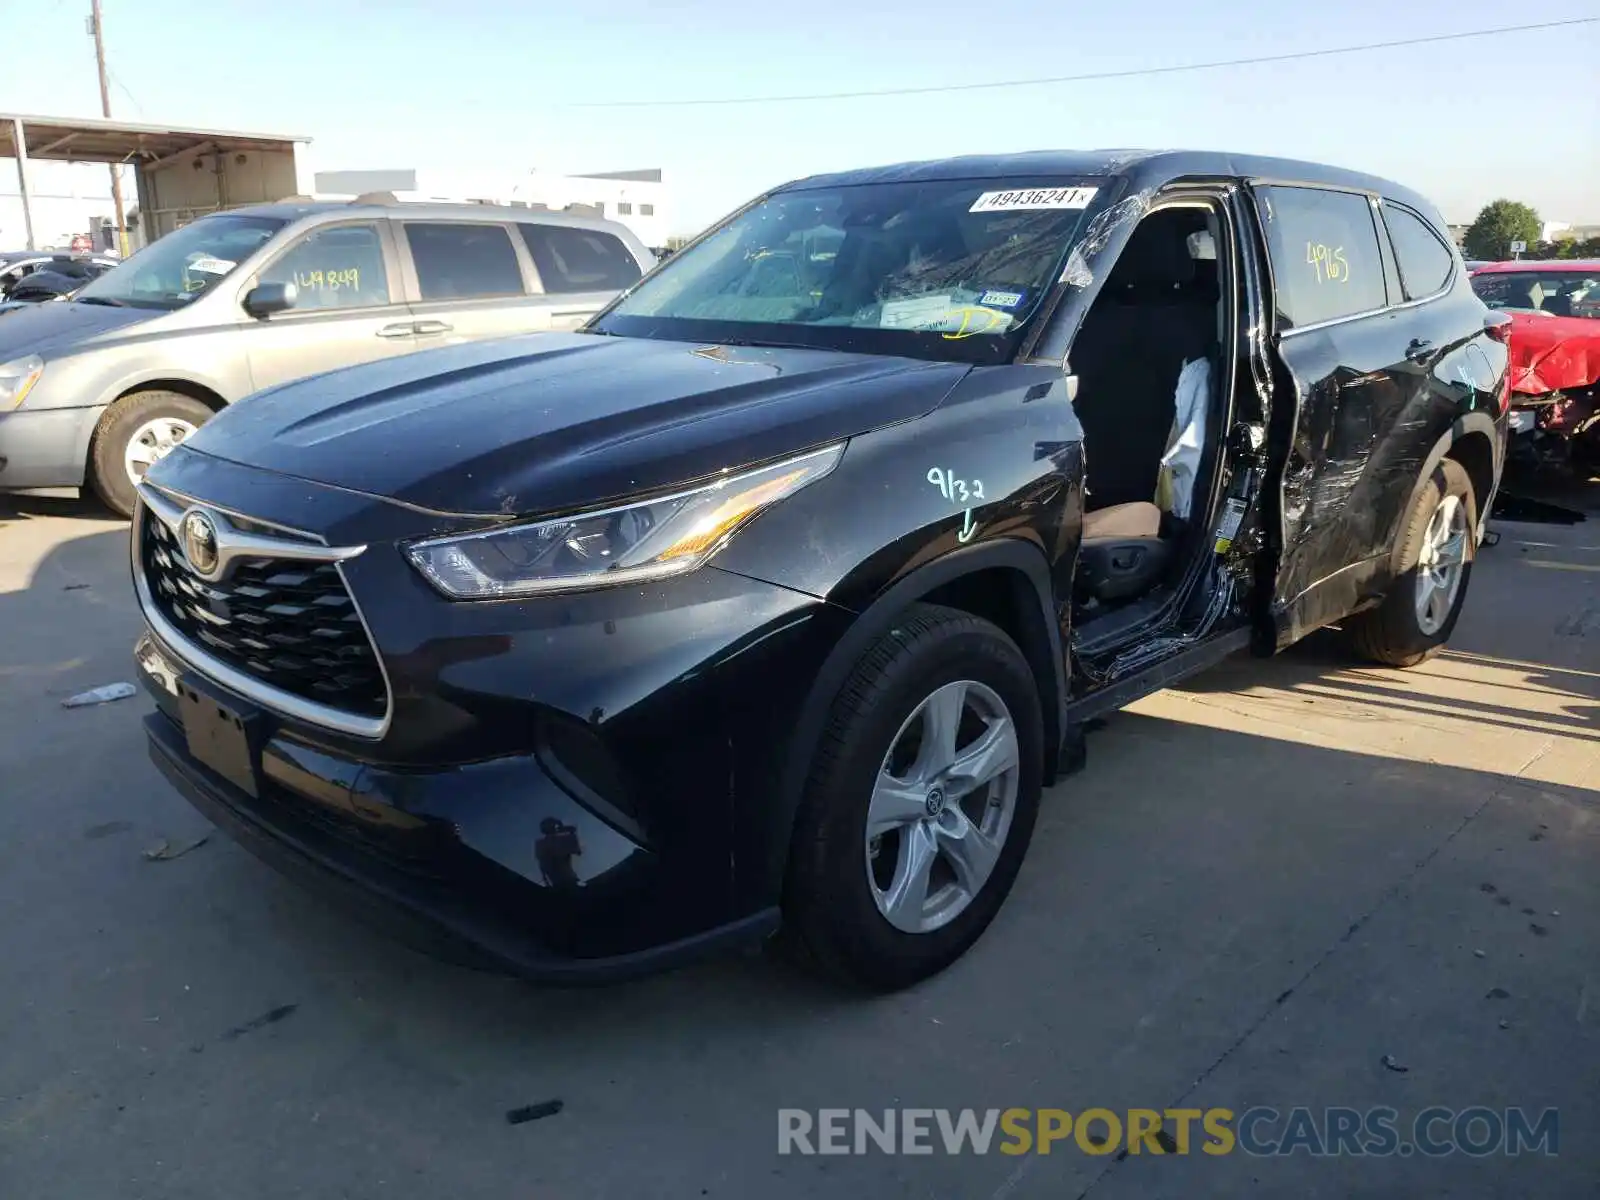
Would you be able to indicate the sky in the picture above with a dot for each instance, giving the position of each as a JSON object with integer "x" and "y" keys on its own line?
{"x": 457, "y": 84}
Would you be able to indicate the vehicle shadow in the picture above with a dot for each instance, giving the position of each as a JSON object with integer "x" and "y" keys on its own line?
{"x": 17, "y": 506}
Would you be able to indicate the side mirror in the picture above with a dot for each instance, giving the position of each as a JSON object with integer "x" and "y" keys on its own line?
{"x": 267, "y": 298}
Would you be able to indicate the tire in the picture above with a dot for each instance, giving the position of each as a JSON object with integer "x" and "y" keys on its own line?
{"x": 128, "y": 417}
{"x": 1395, "y": 634}
{"x": 833, "y": 898}
{"x": 1586, "y": 450}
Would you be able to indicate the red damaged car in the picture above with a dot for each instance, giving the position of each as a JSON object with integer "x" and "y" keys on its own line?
{"x": 1554, "y": 307}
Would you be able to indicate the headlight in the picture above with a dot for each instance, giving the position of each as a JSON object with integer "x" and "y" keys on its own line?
{"x": 648, "y": 539}
{"x": 17, "y": 378}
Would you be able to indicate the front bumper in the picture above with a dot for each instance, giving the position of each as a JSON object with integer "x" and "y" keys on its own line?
{"x": 408, "y": 874}
{"x": 586, "y": 780}
{"x": 45, "y": 448}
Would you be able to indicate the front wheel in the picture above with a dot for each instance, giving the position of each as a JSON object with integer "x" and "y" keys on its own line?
{"x": 134, "y": 434}
{"x": 1424, "y": 602}
{"x": 920, "y": 803}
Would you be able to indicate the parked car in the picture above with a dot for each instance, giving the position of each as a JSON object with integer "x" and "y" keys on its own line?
{"x": 18, "y": 267}
{"x": 245, "y": 300}
{"x": 1554, "y": 307}
{"x": 59, "y": 277}
{"x": 777, "y": 593}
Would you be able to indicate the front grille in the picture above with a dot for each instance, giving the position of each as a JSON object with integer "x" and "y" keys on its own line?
{"x": 290, "y": 624}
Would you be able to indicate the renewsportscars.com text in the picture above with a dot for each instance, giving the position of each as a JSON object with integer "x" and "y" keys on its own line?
{"x": 1260, "y": 1131}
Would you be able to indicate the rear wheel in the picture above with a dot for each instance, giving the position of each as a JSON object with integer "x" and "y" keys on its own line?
{"x": 134, "y": 434}
{"x": 1586, "y": 449}
{"x": 1417, "y": 617}
{"x": 920, "y": 804}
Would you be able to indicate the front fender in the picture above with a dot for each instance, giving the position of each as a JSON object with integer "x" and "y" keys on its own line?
{"x": 1043, "y": 644}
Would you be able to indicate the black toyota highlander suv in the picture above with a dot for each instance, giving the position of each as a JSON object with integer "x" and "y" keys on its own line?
{"x": 774, "y": 596}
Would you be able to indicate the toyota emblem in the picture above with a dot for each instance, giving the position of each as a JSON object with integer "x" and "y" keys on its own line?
{"x": 198, "y": 533}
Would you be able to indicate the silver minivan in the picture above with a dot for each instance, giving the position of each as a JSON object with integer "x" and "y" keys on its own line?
{"x": 97, "y": 389}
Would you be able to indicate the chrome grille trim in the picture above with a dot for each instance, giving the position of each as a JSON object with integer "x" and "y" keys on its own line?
{"x": 162, "y": 507}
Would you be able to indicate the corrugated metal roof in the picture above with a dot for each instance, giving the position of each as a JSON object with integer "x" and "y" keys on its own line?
{"x": 80, "y": 139}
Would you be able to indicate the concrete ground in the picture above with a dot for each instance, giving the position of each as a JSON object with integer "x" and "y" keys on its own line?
{"x": 1266, "y": 884}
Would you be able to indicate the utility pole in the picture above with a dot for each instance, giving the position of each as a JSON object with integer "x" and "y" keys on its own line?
{"x": 105, "y": 111}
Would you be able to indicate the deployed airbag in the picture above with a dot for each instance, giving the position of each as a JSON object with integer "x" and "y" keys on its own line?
{"x": 1181, "y": 462}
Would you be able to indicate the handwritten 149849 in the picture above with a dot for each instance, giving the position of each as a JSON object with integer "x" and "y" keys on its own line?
{"x": 332, "y": 281}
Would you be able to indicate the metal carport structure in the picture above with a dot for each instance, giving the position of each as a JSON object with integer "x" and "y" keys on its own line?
{"x": 181, "y": 173}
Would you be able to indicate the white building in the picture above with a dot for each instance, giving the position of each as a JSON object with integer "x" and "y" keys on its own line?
{"x": 68, "y": 198}
{"x": 637, "y": 199}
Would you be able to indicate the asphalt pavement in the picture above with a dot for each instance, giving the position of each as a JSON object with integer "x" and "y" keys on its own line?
{"x": 1291, "y": 882}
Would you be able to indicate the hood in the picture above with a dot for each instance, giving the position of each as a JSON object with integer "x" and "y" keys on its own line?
{"x": 551, "y": 421}
{"x": 46, "y": 328}
{"x": 1550, "y": 353}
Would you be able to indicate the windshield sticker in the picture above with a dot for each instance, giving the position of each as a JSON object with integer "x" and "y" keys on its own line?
{"x": 998, "y": 299}
{"x": 1030, "y": 199}
{"x": 207, "y": 265}
{"x": 921, "y": 313}
{"x": 971, "y": 321}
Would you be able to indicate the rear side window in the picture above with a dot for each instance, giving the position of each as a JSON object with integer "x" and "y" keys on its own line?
{"x": 466, "y": 261}
{"x": 1425, "y": 261}
{"x": 1325, "y": 257}
{"x": 579, "y": 260}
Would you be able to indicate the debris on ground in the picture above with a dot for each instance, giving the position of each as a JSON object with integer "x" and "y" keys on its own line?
{"x": 75, "y": 587}
{"x": 271, "y": 1017}
{"x": 164, "y": 850}
{"x": 1389, "y": 1061}
{"x": 1479, "y": 954}
{"x": 1498, "y": 993}
{"x": 100, "y": 695}
{"x": 533, "y": 1112}
{"x": 1504, "y": 1024}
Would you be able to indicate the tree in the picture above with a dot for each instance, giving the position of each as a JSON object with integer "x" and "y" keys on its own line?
{"x": 1498, "y": 225}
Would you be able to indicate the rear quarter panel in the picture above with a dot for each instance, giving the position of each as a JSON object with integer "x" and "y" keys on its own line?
{"x": 1364, "y": 450}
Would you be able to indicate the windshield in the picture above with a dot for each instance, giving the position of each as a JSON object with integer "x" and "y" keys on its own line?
{"x": 952, "y": 270}
{"x": 1556, "y": 293}
{"x": 173, "y": 270}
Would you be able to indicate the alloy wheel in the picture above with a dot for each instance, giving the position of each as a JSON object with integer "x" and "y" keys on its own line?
{"x": 942, "y": 806}
{"x": 1442, "y": 564}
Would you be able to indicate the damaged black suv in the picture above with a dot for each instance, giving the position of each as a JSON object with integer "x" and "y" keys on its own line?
{"x": 776, "y": 595}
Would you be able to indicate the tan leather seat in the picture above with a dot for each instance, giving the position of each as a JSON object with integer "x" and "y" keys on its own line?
{"x": 1122, "y": 555}
{"x": 1137, "y": 520}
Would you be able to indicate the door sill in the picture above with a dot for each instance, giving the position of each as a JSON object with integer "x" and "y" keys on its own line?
{"x": 1207, "y": 653}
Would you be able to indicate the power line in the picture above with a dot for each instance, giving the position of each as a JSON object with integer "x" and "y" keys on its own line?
{"x": 1219, "y": 64}
{"x": 122, "y": 87}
